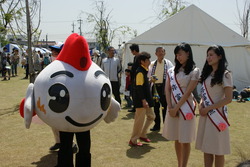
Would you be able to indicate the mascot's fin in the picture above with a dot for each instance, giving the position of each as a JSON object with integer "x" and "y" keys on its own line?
{"x": 29, "y": 105}
{"x": 113, "y": 111}
{"x": 76, "y": 52}
{"x": 21, "y": 107}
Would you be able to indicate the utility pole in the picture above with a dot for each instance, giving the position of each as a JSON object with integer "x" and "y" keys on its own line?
{"x": 73, "y": 25}
{"x": 80, "y": 27}
{"x": 47, "y": 41}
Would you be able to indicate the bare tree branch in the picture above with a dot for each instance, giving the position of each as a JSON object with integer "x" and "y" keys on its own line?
{"x": 244, "y": 18}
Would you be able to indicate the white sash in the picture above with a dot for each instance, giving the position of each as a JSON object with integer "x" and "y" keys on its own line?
{"x": 187, "y": 110}
{"x": 219, "y": 120}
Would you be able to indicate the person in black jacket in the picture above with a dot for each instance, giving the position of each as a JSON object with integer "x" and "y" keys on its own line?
{"x": 143, "y": 102}
{"x": 134, "y": 48}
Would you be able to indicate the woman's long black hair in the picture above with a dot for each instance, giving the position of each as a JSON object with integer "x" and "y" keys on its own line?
{"x": 190, "y": 65}
{"x": 222, "y": 66}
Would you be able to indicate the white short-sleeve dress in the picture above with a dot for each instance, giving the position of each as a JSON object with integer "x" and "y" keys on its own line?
{"x": 176, "y": 128}
{"x": 209, "y": 139}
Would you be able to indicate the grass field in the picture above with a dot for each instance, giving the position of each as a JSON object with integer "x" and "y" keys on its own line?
{"x": 22, "y": 147}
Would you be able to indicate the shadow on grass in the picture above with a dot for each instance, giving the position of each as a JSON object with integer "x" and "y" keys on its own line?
{"x": 129, "y": 116}
{"x": 14, "y": 108}
{"x": 155, "y": 137}
{"x": 138, "y": 152}
{"x": 47, "y": 160}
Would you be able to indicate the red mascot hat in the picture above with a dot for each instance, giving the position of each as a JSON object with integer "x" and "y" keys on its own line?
{"x": 76, "y": 52}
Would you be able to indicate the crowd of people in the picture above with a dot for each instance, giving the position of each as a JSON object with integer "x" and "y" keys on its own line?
{"x": 9, "y": 62}
{"x": 160, "y": 85}
{"x": 160, "y": 88}
{"x": 162, "y": 92}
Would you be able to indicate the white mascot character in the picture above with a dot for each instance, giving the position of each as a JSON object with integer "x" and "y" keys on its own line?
{"x": 73, "y": 95}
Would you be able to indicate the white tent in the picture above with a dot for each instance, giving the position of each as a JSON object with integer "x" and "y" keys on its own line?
{"x": 194, "y": 26}
{"x": 46, "y": 50}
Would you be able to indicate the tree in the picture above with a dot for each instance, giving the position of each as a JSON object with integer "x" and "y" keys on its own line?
{"x": 31, "y": 13}
{"x": 3, "y": 40}
{"x": 102, "y": 26}
{"x": 244, "y": 18}
{"x": 9, "y": 11}
{"x": 13, "y": 17}
{"x": 16, "y": 18}
{"x": 169, "y": 8}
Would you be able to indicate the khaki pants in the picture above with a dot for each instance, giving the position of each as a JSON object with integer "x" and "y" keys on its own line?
{"x": 140, "y": 128}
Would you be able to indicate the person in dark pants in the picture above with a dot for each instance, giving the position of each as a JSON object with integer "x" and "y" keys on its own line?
{"x": 158, "y": 69}
{"x": 26, "y": 66}
{"x": 134, "y": 48}
{"x": 5, "y": 59}
{"x": 65, "y": 154}
{"x": 235, "y": 93}
{"x": 112, "y": 67}
{"x": 127, "y": 93}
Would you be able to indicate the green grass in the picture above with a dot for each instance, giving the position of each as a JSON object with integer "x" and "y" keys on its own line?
{"x": 11, "y": 91}
{"x": 22, "y": 147}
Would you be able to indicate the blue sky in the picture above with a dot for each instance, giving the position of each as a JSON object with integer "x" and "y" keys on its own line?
{"x": 58, "y": 16}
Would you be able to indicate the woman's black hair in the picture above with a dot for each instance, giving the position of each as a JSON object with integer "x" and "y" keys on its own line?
{"x": 190, "y": 65}
{"x": 222, "y": 66}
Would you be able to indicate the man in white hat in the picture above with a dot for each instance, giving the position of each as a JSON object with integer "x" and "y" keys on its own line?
{"x": 97, "y": 58}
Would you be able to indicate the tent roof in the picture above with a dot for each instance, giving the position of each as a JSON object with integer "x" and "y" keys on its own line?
{"x": 191, "y": 25}
{"x": 11, "y": 46}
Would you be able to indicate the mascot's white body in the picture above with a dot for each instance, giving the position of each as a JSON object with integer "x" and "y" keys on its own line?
{"x": 69, "y": 99}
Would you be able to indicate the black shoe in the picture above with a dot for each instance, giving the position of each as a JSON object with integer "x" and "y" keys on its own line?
{"x": 74, "y": 148}
{"x": 55, "y": 147}
{"x": 132, "y": 110}
{"x": 155, "y": 129}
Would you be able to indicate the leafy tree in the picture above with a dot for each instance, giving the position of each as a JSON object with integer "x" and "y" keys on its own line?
{"x": 169, "y": 8}
{"x": 16, "y": 19}
{"x": 102, "y": 26}
{"x": 9, "y": 9}
{"x": 13, "y": 17}
{"x": 3, "y": 40}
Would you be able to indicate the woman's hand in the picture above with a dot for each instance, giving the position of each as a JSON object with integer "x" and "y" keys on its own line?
{"x": 203, "y": 110}
{"x": 173, "y": 112}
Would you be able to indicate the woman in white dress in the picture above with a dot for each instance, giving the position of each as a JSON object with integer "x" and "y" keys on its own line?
{"x": 179, "y": 125}
{"x": 216, "y": 92}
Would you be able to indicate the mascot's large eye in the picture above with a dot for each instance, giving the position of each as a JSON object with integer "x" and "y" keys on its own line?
{"x": 105, "y": 97}
{"x": 59, "y": 101}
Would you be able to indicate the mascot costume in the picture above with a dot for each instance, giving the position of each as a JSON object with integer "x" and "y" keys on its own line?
{"x": 73, "y": 95}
